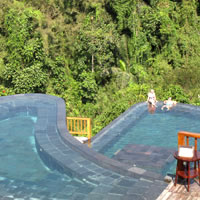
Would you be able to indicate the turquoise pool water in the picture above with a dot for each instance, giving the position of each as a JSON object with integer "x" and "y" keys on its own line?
{"x": 17, "y": 150}
{"x": 159, "y": 129}
{"x": 22, "y": 173}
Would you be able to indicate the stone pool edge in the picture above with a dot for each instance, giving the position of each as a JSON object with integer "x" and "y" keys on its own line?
{"x": 62, "y": 155}
{"x": 96, "y": 157}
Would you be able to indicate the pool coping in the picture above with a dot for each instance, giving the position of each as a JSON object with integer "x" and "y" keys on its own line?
{"x": 67, "y": 141}
{"x": 46, "y": 141}
{"x": 99, "y": 158}
{"x": 62, "y": 152}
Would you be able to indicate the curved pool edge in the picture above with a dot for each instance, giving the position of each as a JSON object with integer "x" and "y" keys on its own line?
{"x": 61, "y": 151}
{"x": 98, "y": 158}
{"x": 56, "y": 148}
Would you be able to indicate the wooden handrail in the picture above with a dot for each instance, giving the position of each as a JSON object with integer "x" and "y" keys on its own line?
{"x": 79, "y": 126}
{"x": 183, "y": 138}
{"x": 79, "y": 118}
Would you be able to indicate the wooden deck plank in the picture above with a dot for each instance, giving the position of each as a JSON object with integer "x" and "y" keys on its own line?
{"x": 179, "y": 192}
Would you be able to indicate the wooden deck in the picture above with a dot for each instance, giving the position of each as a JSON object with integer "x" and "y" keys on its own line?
{"x": 180, "y": 191}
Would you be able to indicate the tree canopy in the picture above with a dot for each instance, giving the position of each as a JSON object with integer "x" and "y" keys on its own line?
{"x": 101, "y": 57}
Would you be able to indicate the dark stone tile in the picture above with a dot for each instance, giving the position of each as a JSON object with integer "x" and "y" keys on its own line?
{"x": 152, "y": 175}
{"x": 85, "y": 189}
{"x": 137, "y": 190}
{"x": 99, "y": 170}
{"x": 62, "y": 196}
{"x": 134, "y": 197}
{"x": 153, "y": 192}
{"x": 160, "y": 183}
{"x": 113, "y": 197}
{"x": 107, "y": 173}
{"x": 78, "y": 196}
{"x": 69, "y": 189}
{"x": 127, "y": 183}
{"x": 115, "y": 176}
{"x": 88, "y": 173}
{"x": 53, "y": 177}
{"x": 107, "y": 180}
{"x": 118, "y": 190}
{"x": 83, "y": 170}
{"x": 76, "y": 183}
{"x": 102, "y": 189}
{"x": 143, "y": 183}
{"x": 95, "y": 196}
{"x": 84, "y": 162}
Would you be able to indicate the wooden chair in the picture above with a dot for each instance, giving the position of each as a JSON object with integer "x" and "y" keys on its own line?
{"x": 185, "y": 171}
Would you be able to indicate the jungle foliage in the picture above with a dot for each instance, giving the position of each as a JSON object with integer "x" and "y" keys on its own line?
{"x": 101, "y": 57}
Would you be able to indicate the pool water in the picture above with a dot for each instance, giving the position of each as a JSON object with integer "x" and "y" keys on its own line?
{"x": 17, "y": 150}
{"x": 159, "y": 129}
{"x": 22, "y": 173}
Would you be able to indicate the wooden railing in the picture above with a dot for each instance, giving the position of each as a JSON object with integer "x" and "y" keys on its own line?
{"x": 183, "y": 138}
{"x": 79, "y": 126}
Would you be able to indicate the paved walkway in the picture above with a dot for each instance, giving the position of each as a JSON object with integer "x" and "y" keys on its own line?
{"x": 180, "y": 192}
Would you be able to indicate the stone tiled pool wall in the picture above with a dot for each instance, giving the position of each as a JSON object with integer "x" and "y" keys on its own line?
{"x": 98, "y": 158}
{"x": 109, "y": 179}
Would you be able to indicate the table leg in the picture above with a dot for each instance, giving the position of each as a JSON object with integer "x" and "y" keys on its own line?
{"x": 188, "y": 176}
{"x": 199, "y": 171}
{"x": 176, "y": 173}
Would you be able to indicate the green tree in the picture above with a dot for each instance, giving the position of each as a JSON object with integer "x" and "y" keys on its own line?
{"x": 25, "y": 68}
{"x": 95, "y": 49}
{"x": 88, "y": 87}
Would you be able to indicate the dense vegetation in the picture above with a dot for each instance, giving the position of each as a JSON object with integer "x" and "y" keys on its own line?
{"x": 101, "y": 57}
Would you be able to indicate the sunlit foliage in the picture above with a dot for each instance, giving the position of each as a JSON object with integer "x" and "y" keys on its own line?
{"x": 101, "y": 57}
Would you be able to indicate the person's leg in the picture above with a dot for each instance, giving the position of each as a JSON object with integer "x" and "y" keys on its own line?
{"x": 169, "y": 107}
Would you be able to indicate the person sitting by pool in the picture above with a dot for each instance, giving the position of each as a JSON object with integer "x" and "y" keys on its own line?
{"x": 168, "y": 104}
{"x": 151, "y": 99}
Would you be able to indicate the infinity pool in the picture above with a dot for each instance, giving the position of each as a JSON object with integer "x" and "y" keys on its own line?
{"x": 159, "y": 129}
{"x": 139, "y": 138}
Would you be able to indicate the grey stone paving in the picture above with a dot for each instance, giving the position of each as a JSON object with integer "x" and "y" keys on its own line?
{"x": 143, "y": 157}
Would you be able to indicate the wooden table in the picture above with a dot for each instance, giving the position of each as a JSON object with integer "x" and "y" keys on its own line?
{"x": 183, "y": 168}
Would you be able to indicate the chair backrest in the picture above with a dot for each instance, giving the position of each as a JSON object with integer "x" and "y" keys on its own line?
{"x": 183, "y": 138}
